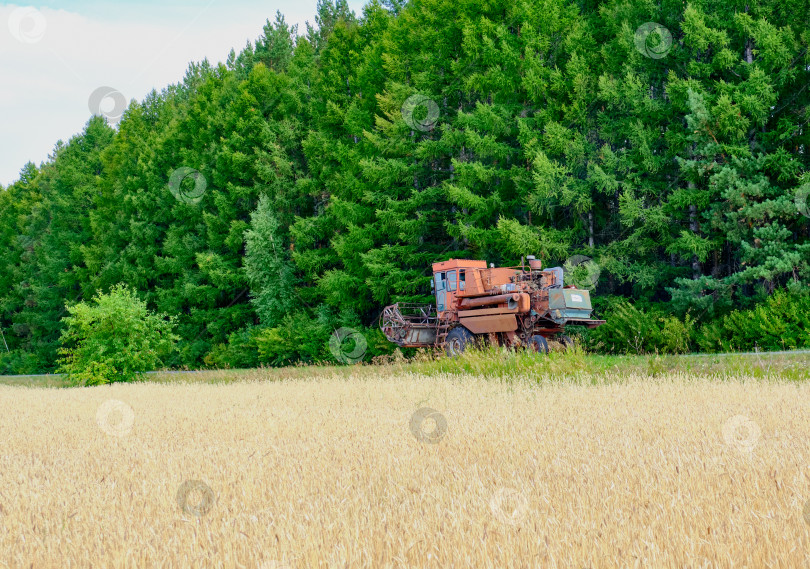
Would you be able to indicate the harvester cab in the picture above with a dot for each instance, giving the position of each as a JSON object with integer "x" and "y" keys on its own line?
{"x": 505, "y": 306}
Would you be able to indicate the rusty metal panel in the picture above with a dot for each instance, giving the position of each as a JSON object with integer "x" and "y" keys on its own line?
{"x": 489, "y": 300}
{"x": 420, "y": 336}
{"x": 524, "y": 302}
{"x": 585, "y": 322}
{"x": 486, "y": 312}
{"x": 494, "y": 323}
{"x": 458, "y": 264}
{"x": 474, "y": 285}
{"x": 577, "y": 299}
{"x": 497, "y": 276}
{"x": 569, "y": 303}
{"x": 556, "y": 298}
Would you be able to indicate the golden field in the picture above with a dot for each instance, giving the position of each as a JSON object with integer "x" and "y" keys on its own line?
{"x": 330, "y": 471}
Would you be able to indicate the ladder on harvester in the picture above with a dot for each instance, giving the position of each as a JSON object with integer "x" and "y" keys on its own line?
{"x": 442, "y": 329}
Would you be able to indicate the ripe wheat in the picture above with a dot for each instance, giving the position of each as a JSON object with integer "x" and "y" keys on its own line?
{"x": 407, "y": 471}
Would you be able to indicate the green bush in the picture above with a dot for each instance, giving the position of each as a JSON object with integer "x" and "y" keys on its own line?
{"x": 302, "y": 339}
{"x": 240, "y": 352}
{"x": 113, "y": 339}
{"x": 298, "y": 339}
{"x": 19, "y": 362}
{"x": 631, "y": 330}
{"x": 782, "y": 322}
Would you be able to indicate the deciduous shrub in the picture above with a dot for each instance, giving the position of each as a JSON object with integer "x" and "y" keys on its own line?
{"x": 114, "y": 338}
{"x": 240, "y": 352}
{"x": 19, "y": 362}
{"x": 631, "y": 330}
{"x": 782, "y": 322}
{"x": 304, "y": 339}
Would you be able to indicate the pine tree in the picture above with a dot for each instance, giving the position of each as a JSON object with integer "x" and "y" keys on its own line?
{"x": 267, "y": 266}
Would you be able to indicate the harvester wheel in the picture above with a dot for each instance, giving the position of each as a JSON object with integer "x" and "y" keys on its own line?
{"x": 539, "y": 344}
{"x": 566, "y": 341}
{"x": 457, "y": 341}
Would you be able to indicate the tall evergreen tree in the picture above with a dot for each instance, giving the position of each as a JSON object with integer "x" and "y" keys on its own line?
{"x": 668, "y": 142}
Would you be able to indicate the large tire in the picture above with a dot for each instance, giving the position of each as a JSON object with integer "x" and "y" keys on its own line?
{"x": 538, "y": 344}
{"x": 566, "y": 341}
{"x": 457, "y": 341}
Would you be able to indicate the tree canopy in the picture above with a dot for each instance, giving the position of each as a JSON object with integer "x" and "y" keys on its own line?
{"x": 321, "y": 174}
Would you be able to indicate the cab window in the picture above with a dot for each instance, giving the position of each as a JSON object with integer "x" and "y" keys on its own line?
{"x": 440, "y": 287}
{"x": 461, "y": 277}
{"x": 441, "y": 282}
{"x": 451, "y": 280}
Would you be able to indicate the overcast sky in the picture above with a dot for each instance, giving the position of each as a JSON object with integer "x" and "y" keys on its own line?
{"x": 55, "y": 54}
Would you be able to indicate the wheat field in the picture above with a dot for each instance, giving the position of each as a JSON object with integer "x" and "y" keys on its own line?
{"x": 407, "y": 471}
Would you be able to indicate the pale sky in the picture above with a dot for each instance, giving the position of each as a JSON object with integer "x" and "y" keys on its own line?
{"x": 55, "y": 54}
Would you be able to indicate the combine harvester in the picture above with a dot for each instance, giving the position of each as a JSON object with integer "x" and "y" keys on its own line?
{"x": 505, "y": 306}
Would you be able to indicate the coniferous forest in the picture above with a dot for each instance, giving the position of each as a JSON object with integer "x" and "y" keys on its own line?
{"x": 314, "y": 176}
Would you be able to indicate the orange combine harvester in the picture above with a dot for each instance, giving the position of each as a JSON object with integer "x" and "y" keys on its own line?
{"x": 505, "y": 306}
